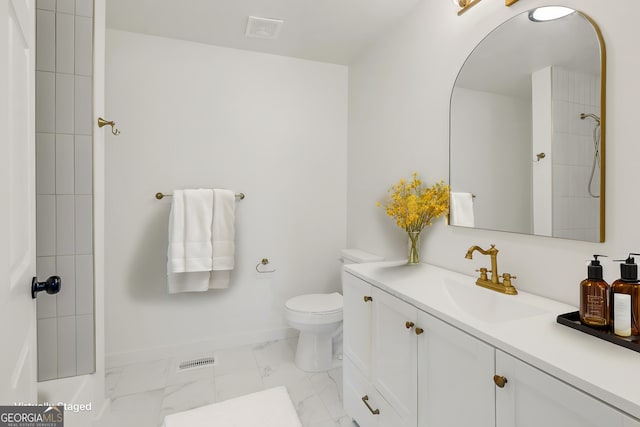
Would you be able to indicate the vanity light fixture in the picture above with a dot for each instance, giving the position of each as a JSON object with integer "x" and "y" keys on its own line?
{"x": 549, "y": 13}
{"x": 465, "y": 5}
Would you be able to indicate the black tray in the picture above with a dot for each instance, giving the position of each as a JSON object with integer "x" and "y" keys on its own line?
{"x": 572, "y": 320}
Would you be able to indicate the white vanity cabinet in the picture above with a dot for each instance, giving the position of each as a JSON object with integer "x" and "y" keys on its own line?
{"x": 532, "y": 398}
{"x": 405, "y": 367}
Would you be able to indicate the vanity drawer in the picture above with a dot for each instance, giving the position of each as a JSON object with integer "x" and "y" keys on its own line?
{"x": 356, "y": 387}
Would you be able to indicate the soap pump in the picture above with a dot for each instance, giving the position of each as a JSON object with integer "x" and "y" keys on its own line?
{"x": 625, "y": 301}
{"x": 594, "y": 295}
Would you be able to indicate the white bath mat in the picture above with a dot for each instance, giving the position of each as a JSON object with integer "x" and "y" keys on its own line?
{"x": 267, "y": 408}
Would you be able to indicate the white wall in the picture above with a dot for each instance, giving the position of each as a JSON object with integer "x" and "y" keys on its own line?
{"x": 399, "y": 92}
{"x": 492, "y": 161}
{"x": 193, "y": 115}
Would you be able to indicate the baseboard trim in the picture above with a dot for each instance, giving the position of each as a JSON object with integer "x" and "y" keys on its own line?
{"x": 113, "y": 360}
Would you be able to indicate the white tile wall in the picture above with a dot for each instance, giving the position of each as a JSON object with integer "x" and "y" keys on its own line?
{"x": 66, "y": 346}
{"x": 45, "y": 225}
{"x": 46, "y": 41}
{"x": 66, "y": 6}
{"x": 46, "y": 4}
{"x": 47, "y": 349}
{"x": 84, "y": 344}
{"x": 64, "y": 164}
{"x": 83, "y": 89}
{"x": 64, "y": 57}
{"x": 66, "y": 269}
{"x": 83, "y": 46}
{"x": 84, "y": 8}
{"x": 65, "y": 225}
{"x": 46, "y": 266}
{"x": 84, "y": 225}
{"x": 83, "y": 165}
{"x": 575, "y": 213}
{"x": 45, "y": 163}
{"x": 84, "y": 281}
{"x": 45, "y": 102}
{"x": 64, "y": 97}
{"x": 65, "y": 29}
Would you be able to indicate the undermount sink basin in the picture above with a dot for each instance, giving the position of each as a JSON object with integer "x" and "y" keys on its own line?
{"x": 487, "y": 305}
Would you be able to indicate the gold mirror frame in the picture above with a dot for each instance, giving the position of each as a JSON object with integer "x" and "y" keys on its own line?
{"x": 603, "y": 76}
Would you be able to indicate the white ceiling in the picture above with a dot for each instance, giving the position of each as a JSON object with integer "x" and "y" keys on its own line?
{"x": 321, "y": 30}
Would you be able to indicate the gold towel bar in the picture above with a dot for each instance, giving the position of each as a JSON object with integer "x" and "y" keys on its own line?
{"x": 160, "y": 196}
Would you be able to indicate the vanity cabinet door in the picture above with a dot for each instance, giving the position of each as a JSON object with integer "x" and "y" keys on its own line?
{"x": 357, "y": 302}
{"x": 455, "y": 377}
{"x": 395, "y": 354}
{"x": 532, "y": 398}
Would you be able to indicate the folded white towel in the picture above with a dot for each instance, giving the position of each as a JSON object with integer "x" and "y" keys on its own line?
{"x": 222, "y": 238}
{"x": 190, "y": 250}
{"x": 461, "y": 209}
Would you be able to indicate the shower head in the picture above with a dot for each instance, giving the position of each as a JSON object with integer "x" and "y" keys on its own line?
{"x": 593, "y": 116}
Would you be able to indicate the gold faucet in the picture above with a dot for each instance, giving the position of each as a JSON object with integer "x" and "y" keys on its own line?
{"x": 494, "y": 283}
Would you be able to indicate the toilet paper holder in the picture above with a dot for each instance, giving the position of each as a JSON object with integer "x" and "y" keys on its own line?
{"x": 263, "y": 262}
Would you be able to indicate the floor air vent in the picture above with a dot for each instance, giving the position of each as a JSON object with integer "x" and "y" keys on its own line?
{"x": 196, "y": 363}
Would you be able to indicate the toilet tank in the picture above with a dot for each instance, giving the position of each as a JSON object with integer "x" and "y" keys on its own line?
{"x": 356, "y": 256}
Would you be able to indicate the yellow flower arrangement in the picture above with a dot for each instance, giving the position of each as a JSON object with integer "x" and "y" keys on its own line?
{"x": 414, "y": 207}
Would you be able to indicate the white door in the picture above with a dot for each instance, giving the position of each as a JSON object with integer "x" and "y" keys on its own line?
{"x": 17, "y": 202}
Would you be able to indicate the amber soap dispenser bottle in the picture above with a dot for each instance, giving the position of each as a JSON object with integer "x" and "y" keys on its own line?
{"x": 625, "y": 303}
{"x": 594, "y": 294}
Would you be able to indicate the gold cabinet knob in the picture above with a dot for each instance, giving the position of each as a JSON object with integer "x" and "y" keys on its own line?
{"x": 409, "y": 324}
{"x": 367, "y": 298}
{"x": 500, "y": 380}
{"x": 419, "y": 331}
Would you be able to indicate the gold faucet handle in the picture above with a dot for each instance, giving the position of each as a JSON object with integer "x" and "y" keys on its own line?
{"x": 483, "y": 273}
{"x": 507, "y": 279}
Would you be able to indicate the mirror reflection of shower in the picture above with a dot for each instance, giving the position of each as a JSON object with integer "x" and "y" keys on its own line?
{"x": 596, "y": 148}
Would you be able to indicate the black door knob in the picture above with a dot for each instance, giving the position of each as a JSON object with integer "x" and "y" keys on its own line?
{"x": 52, "y": 286}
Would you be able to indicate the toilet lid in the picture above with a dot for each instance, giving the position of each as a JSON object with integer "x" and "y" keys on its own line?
{"x": 316, "y": 303}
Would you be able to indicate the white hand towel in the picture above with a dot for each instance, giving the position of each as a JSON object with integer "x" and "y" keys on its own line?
{"x": 190, "y": 251}
{"x": 461, "y": 209}
{"x": 222, "y": 238}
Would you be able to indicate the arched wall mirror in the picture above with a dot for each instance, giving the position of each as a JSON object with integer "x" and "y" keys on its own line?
{"x": 527, "y": 130}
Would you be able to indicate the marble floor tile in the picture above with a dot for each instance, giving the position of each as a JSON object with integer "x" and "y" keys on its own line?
{"x": 272, "y": 353}
{"x": 312, "y": 410}
{"x": 143, "y": 394}
{"x": 135, "y": 410}
{"x": 238, "y": 384}
{"x": 141, "y": 377}
{"x": 235, "y": 360}
{"x": 181, "y": 397}
{"x": 111, "y": 378}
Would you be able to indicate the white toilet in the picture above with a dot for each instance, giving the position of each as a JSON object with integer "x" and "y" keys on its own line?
{"x": 318, "y": 317}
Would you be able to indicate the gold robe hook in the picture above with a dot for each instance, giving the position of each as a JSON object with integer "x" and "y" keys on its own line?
{"x": 102, "y": 122}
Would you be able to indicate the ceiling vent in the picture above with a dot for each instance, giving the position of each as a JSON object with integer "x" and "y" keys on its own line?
{"x": 263, "y": 28}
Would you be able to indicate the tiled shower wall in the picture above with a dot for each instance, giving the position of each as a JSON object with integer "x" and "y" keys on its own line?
{"x": 576, "y": 215}
{"x": 64, "y": 235}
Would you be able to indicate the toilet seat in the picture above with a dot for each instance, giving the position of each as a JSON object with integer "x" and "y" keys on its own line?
{"x": 314, "y": 309}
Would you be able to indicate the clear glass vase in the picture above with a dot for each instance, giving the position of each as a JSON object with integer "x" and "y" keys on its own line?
{"x": 414, "y": 246}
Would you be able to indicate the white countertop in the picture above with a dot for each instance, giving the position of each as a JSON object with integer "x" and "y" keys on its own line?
{"x": 523, "y": 325}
